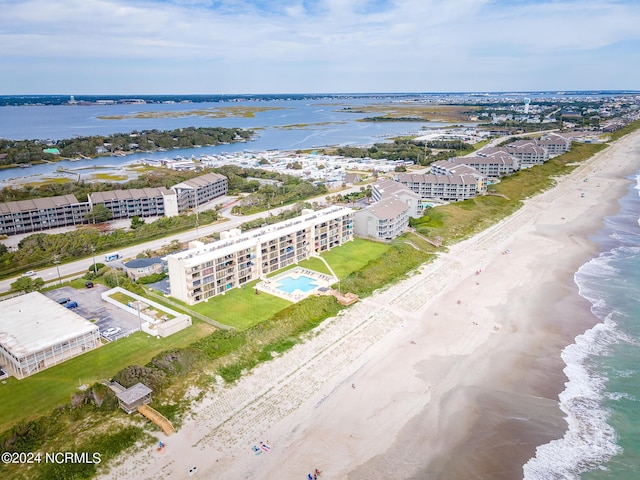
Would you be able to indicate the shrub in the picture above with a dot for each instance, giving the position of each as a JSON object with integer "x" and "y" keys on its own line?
{"x": 95, "y": 268}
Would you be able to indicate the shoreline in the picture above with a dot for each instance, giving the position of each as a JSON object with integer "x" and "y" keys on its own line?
{"x": 441, "y": 379}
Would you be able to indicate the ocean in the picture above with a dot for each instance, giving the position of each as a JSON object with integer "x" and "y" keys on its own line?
{"x": 601, "y": 400}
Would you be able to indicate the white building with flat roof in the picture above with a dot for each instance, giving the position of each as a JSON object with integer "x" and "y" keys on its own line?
{"x": 37, "y": 332}
{"x": 208, "y": 270}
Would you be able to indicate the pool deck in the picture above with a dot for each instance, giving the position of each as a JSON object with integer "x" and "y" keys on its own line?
{"x": 322, "y": 280}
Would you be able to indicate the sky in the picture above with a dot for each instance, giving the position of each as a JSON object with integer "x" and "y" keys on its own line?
{"x": 130, "y": 47}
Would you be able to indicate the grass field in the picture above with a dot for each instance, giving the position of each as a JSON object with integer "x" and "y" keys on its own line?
{"x": 42, "y": 392}
{"x": 242, "y": 308}
{"x": 352, "y": 256}
{"x": 428, "y": 113}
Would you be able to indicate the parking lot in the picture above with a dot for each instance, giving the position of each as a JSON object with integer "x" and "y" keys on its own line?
{"x": 105, "y": 316}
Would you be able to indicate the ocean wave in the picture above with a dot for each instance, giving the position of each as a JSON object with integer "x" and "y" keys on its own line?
{"x": 620, "y": 396}
{"x": 589, "y": 441}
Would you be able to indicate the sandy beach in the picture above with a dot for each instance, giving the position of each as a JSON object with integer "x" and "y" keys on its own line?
{"x": 452, "y": 373}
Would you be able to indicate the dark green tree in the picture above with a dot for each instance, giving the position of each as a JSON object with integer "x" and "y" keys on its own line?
{"x": 27, "y": 284}
{"x": 98, "y": 214}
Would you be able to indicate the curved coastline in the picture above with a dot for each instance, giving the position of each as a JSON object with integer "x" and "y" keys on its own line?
{"x": 462, "y": 389}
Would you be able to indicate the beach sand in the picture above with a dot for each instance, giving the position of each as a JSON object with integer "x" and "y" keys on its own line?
{"x": 456, "y": 374}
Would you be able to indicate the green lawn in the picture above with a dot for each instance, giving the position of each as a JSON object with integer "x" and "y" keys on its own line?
{"x": 242, "y": 308}
{"x": 352, "y": 256}
{"x": 42, "y": 392}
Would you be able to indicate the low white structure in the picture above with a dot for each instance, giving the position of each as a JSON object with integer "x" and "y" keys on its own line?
{"x": 158, "y": 327}
{"x": 37, "y": 332}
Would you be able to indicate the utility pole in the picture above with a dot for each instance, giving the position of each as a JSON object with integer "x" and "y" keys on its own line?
{"x": 56, "y": 262}
{"x": 93, "y": 251}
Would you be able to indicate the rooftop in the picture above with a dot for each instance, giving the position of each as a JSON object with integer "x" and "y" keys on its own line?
{"x": 32, "y": 322}
{"x": 201, "y": 181}
{"x": 130, "y": 194}
{"x": 388, "y": 208}
{"x": 135, "y": 393}
{"x": 142, "y": 262}
{"x": 37, "y": 204}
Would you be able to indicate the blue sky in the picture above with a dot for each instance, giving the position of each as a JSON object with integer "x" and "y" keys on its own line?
{"x": 297, "y": 46}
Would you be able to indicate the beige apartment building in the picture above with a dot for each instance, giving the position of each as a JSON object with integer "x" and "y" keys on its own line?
{"x": 205, "y": 271}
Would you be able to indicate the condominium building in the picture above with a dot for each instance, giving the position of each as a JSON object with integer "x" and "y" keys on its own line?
{"x": 555, "y": 144}
{"x": 443, "y": 187}
{"x": 141, "y": 202}
{"x": 528, "y": 152}
{"x": 25, "y": 216}
{"x": 494, "y": 165}
{"x": 384, "y": 220}
{"x": 388, "y": 188}
{"x": 237, "y": 258}
{"x": 200, "y": 190}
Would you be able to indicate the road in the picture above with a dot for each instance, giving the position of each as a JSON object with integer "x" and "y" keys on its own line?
{"x": 78, "y": 268}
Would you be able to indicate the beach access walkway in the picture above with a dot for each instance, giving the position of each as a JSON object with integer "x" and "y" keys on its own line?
{"x": 157, "y": 418}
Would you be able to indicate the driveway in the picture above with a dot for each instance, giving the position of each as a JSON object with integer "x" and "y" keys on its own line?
{"x": 93, "y": 308}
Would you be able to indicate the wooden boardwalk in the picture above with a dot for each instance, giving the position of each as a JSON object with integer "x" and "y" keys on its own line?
{"x": 157, "y": 418}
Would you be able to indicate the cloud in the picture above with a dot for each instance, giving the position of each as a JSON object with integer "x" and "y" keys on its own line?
{"x": 307, "y": 40}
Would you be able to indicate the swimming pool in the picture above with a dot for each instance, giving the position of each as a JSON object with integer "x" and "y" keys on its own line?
{"x": 302, "y": 283}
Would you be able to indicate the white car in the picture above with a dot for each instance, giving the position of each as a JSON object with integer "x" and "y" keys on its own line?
{"x": 30, "y": 273}
{"x": 109, "y": 332}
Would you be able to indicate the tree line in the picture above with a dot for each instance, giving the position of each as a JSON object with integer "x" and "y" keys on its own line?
{"x": 42, "y": 249}
{"x": 21, "y": 152}
{"x": 406, "y": 149}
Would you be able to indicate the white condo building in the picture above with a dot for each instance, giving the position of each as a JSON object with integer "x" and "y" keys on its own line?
{"x": 237, "y": 258}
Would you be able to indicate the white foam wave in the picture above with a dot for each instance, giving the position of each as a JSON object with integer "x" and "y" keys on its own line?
{"x": 589, "y": 440}
{"x": 620, "y": 396}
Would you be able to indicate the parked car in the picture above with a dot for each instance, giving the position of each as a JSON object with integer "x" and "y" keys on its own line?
{"x": 71, "y": 304}
{"x": 88, "y": 284}
{"x": 63, "y": 300}
{"x": 111, "y": 331}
